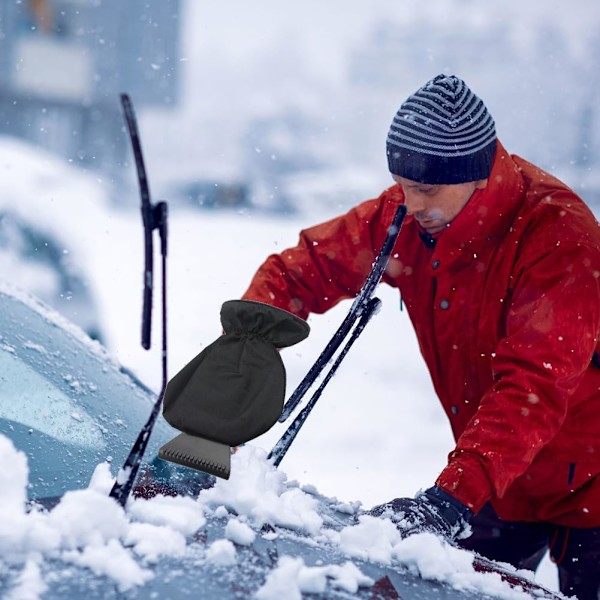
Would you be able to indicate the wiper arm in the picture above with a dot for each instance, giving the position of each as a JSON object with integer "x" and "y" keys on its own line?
{"x": 154, "y": 216}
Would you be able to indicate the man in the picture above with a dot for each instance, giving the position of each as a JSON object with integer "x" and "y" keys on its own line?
{"x": 498, "y": 264}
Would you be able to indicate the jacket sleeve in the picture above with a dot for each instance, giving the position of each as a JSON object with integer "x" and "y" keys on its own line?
{"x": 330, "y": 263}
{"x": 552, "y": 328}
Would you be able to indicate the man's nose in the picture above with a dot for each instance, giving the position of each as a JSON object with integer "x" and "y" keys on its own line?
{"x": 414, "y": 203}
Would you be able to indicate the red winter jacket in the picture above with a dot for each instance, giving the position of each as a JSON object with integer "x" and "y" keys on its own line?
{"x": 506, "y": 308}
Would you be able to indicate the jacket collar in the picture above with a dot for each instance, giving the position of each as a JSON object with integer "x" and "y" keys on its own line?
{"x": 489, "y": 213}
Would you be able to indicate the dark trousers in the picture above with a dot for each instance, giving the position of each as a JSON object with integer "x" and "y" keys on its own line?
{"x": 576, "y": 552}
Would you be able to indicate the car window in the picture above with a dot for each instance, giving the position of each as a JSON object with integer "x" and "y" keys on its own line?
{"x": 56, "y": 415}
{"x": 64, "y": 401}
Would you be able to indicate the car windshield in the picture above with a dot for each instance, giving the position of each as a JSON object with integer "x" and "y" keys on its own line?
{"x": 57, "y": 416}
{"x": 64, "y": 401}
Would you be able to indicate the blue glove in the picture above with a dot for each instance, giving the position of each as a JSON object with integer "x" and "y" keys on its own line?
{"x": 433, "y": 510}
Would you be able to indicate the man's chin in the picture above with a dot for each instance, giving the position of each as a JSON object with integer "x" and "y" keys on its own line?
{"x": 434, "y": 230}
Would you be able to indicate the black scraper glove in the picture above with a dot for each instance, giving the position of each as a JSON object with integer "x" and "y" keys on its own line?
{"x": 233, "y": 391}
{"x": 433, "y": 510}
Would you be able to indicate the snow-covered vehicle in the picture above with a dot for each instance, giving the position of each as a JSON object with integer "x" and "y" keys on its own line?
{"x": 41, "y": 253}
{"x": 68, "y": 415}
{"x": 39, "y": 262}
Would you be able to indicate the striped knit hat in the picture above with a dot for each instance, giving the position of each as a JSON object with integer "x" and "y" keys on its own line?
{"x": 442, "y": 134}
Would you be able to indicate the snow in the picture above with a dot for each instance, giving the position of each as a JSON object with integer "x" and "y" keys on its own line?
{"x": 152, "y": 541}
{"x": 239, "y": 532}
{"x": 63, "y": 202}
{"x": 89, "y": 529}
{"x": 29, "y": 585}
{"x": 179, "y": 514}
{"x": 111, "y": 560}
{"x": 221, "y": 553}
{"x": 51, "y": 315}
{"x": 291, "y": 577}
{"x": 432, "y": 559}
{"x": 372, "y": 539}
{"x": 259, "y": 491}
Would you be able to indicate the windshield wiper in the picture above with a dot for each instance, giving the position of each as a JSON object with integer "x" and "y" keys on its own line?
{"x": 154, "y": 216}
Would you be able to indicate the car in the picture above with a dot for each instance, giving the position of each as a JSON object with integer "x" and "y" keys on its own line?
{"x": 53, "y": 218}
{"x": 214, "y": 195}
{"x": 74, "y": 412}
{"x": 40, "y": 262}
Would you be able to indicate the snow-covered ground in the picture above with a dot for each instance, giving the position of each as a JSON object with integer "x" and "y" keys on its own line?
{"x": 377, "y": 432}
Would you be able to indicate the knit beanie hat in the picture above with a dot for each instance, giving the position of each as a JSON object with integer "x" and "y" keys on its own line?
{"x": 442, "y": 134}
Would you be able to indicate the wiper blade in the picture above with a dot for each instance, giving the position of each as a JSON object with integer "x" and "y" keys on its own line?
{"x": 154, "y": 216}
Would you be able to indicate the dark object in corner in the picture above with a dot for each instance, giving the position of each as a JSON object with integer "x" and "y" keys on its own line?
{"x": 234, "y": 390}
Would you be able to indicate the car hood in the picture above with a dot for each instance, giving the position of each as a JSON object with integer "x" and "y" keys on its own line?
{"x": 255, "y": 535}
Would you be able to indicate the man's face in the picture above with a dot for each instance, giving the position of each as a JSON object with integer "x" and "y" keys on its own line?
{"x": 435, "y": 206}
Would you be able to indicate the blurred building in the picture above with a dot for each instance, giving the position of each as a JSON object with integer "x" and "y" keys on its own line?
{"x": 63, "y": 64}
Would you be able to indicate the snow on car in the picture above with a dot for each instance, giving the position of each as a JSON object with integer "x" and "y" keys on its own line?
{"x": 52, "y": 216}
{"x": 68, "y": 414}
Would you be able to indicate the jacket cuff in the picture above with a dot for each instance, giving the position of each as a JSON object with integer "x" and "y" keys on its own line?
{"x": 449, "y": 507}
{"x": 465, "y": 479}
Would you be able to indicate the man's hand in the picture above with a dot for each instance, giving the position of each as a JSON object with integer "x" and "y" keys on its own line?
{"x": 433, "y": 510}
